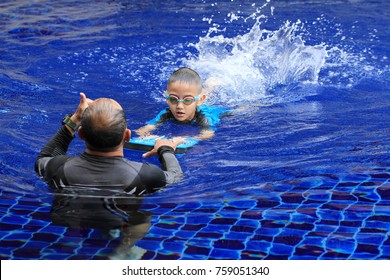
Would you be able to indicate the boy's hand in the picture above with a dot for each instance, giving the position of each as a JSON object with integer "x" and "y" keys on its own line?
{"x": 173, "y": 143}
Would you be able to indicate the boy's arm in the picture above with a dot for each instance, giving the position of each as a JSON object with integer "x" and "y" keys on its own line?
{"x": 151, "y": 125}
{"x": 205, "y": 134}
{"x": 145, "y": 130}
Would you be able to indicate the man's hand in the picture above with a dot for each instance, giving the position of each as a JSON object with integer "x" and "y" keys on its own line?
{"x": 76, "y": 117}
{"x": 84, "y": 103}
{"x": 164, "y": 142}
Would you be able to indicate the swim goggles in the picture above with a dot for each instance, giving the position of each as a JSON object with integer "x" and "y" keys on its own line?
{"x": 187, "y": 100}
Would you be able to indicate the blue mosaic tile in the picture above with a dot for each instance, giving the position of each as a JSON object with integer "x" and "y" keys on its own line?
{"x": 168, "y": 226}
{"x": 252, "y": 255}
{"x": 17, "y": 236}
{"x": 313, "y": 241}
{"x": 261, "y": 237}
{"x": 370, "y": 238}
{"x": 265, "y": 204}
{"x": 345, "y": 229}
{"x": 14, "y": 220}
{"x": 279, "y": 215}
{"x": 359, "y": 255}
{"x": 327, "y": 222}
{"x": 159, "y": 232}
{"x": 151, "y": 245}
{"x": 267, "y": 231}
{"x": 306, "y": 250}
{"x": 380, "y": 176}
{"x": 237, "y": 235}
{"x": 185, "y": 234}
{"x": 229, "y": 213}
{"x": 367, "y": 248}
{"x": 209, "y": 235}
{"x": 384, "y": 192}
{"x": 202, "y": 242}
{"x": 292, "y": 197}
{"x": 196, "y": 250}
{"x": 355, "y": 216}
{"x": 221, "y": 254}
{"x": 331, "y": 255}
{"x": 48, "y": 237}
{"x": 217, "y": 228}
{"x": 193, "y": 227}
{"x": 381, "y": 218}
{"x": 341, "y": 244}
{"x": 374, "y": 228}
{"x": 229, "y": 244}
{"x": 385, "y": 250}
{"x": 307, "y": 210}
{"x": 357, "y": 224}
{"x": 166, "y": 255}
{"x": 200, "y": 219}
{"x": 300, "y": 225}
{"x": 175, "y": 246}
{"x": 252, "y": 214}
{"x": 326, "y": 214}
{"x": 238, "y": 228}
{"x": 27, "y": 253}
{"x": 248, "y": 223}
{"x": 319, "y": 196}
{"x": 243, "y": 204}
{"x": 223, "y": 221}
{"x": 380, "y": 226}
{"x": 290, "y": 240}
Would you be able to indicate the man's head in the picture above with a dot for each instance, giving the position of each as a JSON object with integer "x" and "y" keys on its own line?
{"x": 184, "y": 93}
{"x": 104, "y": 126}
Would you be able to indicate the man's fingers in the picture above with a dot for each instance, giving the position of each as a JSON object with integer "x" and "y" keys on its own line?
{"x": 148, "y": 154}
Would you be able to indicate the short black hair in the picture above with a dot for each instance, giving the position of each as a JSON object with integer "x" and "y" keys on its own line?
{"x": 186, "y": 75}
{"x": 103, "y": 126}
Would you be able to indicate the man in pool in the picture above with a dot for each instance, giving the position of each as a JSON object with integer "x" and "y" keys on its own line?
{"x": 103, "y": 127}
{"x": 184, "y": 96}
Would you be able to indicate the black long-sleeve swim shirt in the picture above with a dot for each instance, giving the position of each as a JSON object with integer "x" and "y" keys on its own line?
{"x": 108, "y": 173}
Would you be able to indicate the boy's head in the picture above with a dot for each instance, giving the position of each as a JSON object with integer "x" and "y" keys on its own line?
{"x": 184, "y": 94}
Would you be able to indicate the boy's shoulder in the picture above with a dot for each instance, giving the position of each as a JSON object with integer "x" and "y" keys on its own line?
{"x": 212, "y": 114}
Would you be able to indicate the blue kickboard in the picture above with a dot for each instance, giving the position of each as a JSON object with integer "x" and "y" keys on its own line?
{"x": 147, "y": 144}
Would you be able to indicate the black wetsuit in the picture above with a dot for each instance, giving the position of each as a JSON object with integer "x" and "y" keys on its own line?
{"x": 110, "y": 173}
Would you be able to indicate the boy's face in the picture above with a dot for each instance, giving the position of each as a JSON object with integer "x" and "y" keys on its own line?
{"x": 181, "y": 111}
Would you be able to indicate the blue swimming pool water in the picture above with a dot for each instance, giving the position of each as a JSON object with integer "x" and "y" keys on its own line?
{"x": 300, "y": 170}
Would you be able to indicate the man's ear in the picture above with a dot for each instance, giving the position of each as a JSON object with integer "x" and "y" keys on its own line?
{"x": 127, "y": 135}
{"x": 80, "y": 132}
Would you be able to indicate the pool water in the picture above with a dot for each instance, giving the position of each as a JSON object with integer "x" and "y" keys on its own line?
{"x": 299, "y": 170}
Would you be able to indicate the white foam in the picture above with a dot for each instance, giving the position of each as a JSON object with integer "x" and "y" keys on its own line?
{"x": 249, "y": 66}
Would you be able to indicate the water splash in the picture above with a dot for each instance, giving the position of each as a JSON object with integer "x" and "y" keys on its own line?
{"x": 267, "y": 67}
{"x": 250, "y": 67}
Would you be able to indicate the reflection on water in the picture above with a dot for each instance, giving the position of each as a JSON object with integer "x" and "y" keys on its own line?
{"x": 116, "y": 217}
{"x": 37, "y": 22}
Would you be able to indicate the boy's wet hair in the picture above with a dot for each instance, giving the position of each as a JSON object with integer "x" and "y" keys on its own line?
{"x": 186, "y": 75}
{"x": 103, "y": 126}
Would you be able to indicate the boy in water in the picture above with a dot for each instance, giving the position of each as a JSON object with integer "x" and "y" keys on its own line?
{"x": 185, "y": 96}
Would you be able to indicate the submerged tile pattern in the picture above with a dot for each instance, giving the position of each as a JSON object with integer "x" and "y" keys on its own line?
{"x": 321, "y": 217}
